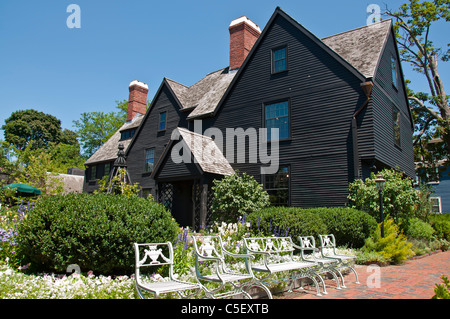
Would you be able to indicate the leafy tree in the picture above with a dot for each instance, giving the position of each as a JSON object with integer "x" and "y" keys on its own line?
{"x": 64, "y": 156}
{"x": 7, "y": 165}
{"x": 36, "y": 169}
{"x": 95, "y": 128}
{"x": 412, "y": 24}
{"x": 22, "y": 127}
{"x": 399, "y": 197}
{"x": 238, "y": 195}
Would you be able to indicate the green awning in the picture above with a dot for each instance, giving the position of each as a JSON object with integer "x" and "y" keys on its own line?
{"x": 24, "y": 188}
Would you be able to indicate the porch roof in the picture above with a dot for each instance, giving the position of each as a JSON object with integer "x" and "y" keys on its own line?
{"x": 206, "y": 154}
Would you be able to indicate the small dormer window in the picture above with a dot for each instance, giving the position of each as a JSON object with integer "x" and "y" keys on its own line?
{"x": 279, "y": 59}
{"x": 394, "y": 71}
{"x": 127, "y": 134}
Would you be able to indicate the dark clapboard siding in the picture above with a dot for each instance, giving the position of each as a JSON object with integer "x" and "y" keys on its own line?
{"x": 323, "y": 96}
{"x": 385, "y": 96}
{"x": 148, "y": 135}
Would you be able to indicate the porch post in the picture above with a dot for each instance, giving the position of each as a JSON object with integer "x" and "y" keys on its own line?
{"x": 203, "y": 204}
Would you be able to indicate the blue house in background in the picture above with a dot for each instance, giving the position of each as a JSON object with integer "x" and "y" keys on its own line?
{"x": 441, "y": 195}
{"x": 437, "y": 176}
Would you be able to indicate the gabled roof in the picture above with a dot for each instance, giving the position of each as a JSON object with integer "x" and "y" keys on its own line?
{"x": 361, "y": 47}
{"x": 203, "y": 96}
{"x": 205, "y": 152}
{"x": 359, "y": 50}
{"x": 108, "y": 151}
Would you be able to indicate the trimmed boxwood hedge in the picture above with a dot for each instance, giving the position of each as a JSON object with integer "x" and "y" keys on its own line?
{"x": 282, "y": 221}
{"x": 349, "y": 226}
{"x": 96, "y": 232}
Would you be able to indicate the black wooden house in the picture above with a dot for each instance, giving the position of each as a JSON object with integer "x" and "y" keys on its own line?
{"x": 339, "y": 103}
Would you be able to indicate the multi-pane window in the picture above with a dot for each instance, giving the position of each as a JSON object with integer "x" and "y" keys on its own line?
{"x": 277, "y": 116}
{"x": 396, "y": 121}
{"x": 107, "y": 168}
{"x": 436, "y": 205}
{"x": 93, "y": 172}
{"x": 277, "y": 186}
{"x": 162, "y": 121}
{"x": 149, "y": 159}
{"x": 279, "y": 60}
{"x": 394, "y": 71}
{"x": 125, "y": 135}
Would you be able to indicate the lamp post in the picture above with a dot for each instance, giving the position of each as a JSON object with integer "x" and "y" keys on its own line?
{"x": 380, "y": 186}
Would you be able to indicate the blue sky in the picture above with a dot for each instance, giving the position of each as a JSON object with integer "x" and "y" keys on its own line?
{"x": 49, "y": 67}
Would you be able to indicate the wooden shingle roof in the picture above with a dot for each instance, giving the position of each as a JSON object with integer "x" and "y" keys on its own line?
{"x": 361, "y": 47}
{"x": 204, "y": 95}
{"x": 206, "y": 153}
{"x": 108, "y": 151}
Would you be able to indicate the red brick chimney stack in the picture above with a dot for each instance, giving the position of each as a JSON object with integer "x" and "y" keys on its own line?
{"x": 137, "y": 100}
{"x": 243, "y": 35}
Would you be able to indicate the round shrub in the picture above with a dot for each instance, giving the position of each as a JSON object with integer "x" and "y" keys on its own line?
{"x": 399, "y": 196}
{"x": 237, "y": 195}
{"x": 418, "y": 229}
{"x": 349, "y": 226}
{"x": 95, "y": 232}
{"x": 286, "y": 221}
{"x": 441, "y": 225}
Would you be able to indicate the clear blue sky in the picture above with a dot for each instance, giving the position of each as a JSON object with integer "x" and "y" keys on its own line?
{"x": 46, "y": 66}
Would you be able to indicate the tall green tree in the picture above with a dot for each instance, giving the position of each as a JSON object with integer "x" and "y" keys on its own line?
{"x": 25, "y": 126}
{"x": 95, "y": 128}
{"x": 413, "y": 24}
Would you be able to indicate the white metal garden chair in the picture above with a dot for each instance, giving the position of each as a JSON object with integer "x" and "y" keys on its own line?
{"x": 328, "y": 250}
{"x": 157, "y": 255}
{"x": 211, "y": 266}
{"x": 327, "y": 265}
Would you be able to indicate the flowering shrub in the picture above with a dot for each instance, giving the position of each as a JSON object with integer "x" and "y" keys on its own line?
{"x": 9, "y": 220}
{"x": 15, "y": 285}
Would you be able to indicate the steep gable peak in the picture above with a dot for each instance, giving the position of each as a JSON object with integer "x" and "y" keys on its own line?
{"x": 361, "y": 47}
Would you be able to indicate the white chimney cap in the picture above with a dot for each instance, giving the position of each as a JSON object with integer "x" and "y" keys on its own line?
{"x": 247, "y": 20}
{"x": 136, "y": 82}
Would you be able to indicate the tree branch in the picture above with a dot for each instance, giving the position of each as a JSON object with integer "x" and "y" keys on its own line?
{"x": 424, "y": 108}
{"x": 424, "y": 128}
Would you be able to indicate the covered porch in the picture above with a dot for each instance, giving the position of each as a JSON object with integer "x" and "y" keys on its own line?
{"x": 184, "y": 176}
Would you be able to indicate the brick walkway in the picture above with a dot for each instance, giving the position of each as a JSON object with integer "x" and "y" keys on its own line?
{"x": 414, "y": 279}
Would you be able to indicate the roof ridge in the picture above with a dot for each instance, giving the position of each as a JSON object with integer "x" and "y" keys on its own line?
{"x": 187, "y": 87}
{"x": 358, "y": 28}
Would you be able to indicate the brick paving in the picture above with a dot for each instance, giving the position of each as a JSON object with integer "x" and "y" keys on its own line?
{"x": 413, "y": 279}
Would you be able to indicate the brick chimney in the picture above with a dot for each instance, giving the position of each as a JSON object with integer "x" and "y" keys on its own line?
{"x": 243, "y": 35}
{"x": 137, "y": 100}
